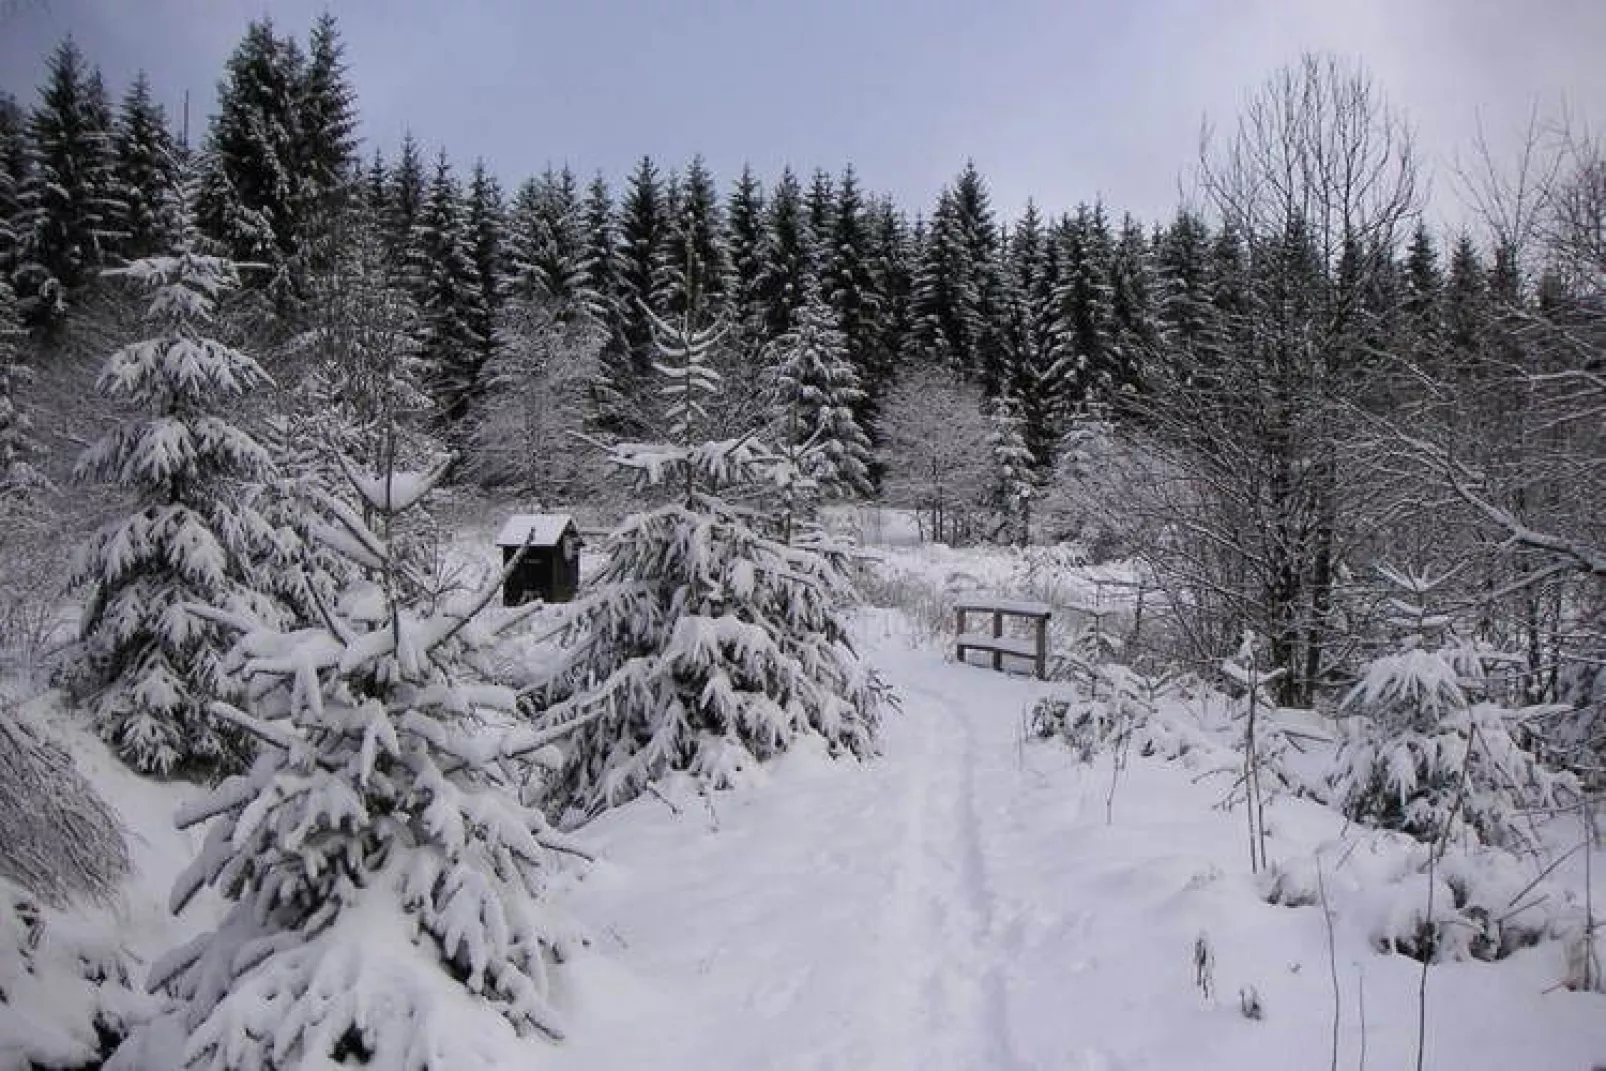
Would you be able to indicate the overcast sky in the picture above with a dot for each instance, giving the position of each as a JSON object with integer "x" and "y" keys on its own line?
{"x": 1061, "y": 100}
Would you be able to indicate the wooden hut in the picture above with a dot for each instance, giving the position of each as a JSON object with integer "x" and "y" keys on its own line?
{"x": 550, "y": 567}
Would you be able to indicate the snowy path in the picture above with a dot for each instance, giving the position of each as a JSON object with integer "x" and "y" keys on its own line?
{"x": 962, "y": 904}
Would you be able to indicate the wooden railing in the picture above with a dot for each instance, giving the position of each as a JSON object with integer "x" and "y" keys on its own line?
{"x": 1035, "y": 647}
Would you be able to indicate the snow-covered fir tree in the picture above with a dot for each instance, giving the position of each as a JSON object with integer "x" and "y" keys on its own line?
{"x": 451, "y": 301}
{"x": 784, "y": 258}
{"x": 387, "y": 884}
{"x": 547, "y": 245}
{"x": 359, "y": 384}
{"x": 68, "y": 195}
{"x": 147, "y": 166}
{"x": 708, "y": 646}
{"x": 816, "y": 395}
{"x": 1429, "y": 748}
{"x": 248, "y": 197}
{"x": 149, "y": 659}
{"x": 1015, "y": 484}
{"x": 16, "y": 429}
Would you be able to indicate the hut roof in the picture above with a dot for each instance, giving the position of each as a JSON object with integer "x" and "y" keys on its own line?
{"x": 534, "y": 529}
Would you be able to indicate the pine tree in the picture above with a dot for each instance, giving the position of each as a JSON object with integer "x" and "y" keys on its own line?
{"x": 645, "y": 266}
{"x": 784, "y": 258}
{"x": 150, "y": 658}
{"x": 848, "y": 283}
{"x": 147, "y": 166}
{"x": 893, "y": 253}
{"x": 1428, "y": 747}
{"x": 326, "y": 164}
{"x": 451, "y": 305}
{"x": 1188, "y": 330}
{"x": 817, "y": 393}
{"x": 16, "y": 439}
{"x": 819, "y": 207}
{"x": 250, "y": 199}
{"x": 956, "y": 304}
{"x": 386, "y": 882}
{"x": 548, "y": 244}
{"x": 485, "y": 225}
{"x": 708, "y": 646}
{"x": 699, "y": 259}
{"x": 1036, "y": 374}
{"x": 1015, "y": 484}
{"x": 404, "y": 204}
{"x": 68, "y": 196}
{"x": 744, "y": 212}
{"x": 1085, "y": 323}
{"x": 1132, "y": 302}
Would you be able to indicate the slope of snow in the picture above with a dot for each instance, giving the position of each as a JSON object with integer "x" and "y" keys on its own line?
{"x": 962, "y": 903}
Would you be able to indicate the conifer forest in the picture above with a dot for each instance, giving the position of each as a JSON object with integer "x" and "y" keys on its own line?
{"x": 1311, "y": 486}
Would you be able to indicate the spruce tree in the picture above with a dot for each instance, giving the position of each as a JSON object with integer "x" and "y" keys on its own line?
{"x": 816, "y": 399}
{"x": 250, "y": 199}
{"x": 548, "y": 246}
{"x": 1015, "y": 484}
{"x": 957, "y": 299}
{"x": 16, "y": 430}
{"x": 150, "y": 655}
{"x": 1132, "y": 301}
{"x": 386, "y": 882}
{"x": 645, "y": 266}
{"x": 1085, "y": 324}
{"x": 485, "y": 226}
{"x": 1036, "y": 375}
{"x": 615, "y": 371}
{"x": 325, "y": 140}
{"x": 68, "y": 196}
{"x": 848, "y": 283}
{"x": 698, "y": 255}
{"x": 893, "y": 253}
{"x": 404, "y": 204}
{"x": 147, "y": 167}
{"x": 819, "y": 208}
{"x": 451, "y": 304}
{"x": 708, "y": 646}
{"x": 1183, "y": 295}
{"x": 784, "y": 258}
{"x": 744, "y": 213}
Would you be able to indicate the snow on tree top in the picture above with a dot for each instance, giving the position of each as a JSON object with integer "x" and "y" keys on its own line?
{"x": 534, "y": 529}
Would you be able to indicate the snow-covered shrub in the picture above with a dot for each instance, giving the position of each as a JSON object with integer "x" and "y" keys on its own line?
{"x": 69, "y": 990}
{"x": 1425, "y": 748}
{"x": 148, "y": 663}
{"x": 389, "y": 887}
{"x": 708, "y": 645}
{"x": 1486, "y": 901}
{"x": 1114, "y": 706}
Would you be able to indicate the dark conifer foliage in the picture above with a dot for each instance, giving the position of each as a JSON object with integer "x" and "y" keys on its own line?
{"x": 68, "y": 204}
{"x": 146, "y": 171}
{"x": 784, "y": 257}
{"x": 449, "y": 295}
{"x": 646, "y": 268}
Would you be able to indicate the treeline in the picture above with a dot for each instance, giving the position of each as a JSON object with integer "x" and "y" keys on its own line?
{"x": 1293, "y": 378}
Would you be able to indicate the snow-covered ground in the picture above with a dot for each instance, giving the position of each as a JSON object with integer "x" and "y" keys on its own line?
{"x": 963, "y": 903}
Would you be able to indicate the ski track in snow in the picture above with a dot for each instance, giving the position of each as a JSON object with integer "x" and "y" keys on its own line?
{"x": 961, "y": 903}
